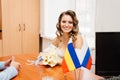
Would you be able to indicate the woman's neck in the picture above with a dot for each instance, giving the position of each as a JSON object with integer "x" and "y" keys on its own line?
{"x": 66, "y": 36}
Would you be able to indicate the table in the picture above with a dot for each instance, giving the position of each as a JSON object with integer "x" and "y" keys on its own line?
{"x": 41, "y": 72}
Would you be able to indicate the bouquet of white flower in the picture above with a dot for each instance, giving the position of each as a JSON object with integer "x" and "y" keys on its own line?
{"x": 50, "y": 59}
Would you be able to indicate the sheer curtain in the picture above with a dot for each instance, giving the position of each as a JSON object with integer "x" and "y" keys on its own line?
{"x": 85, "y": 10}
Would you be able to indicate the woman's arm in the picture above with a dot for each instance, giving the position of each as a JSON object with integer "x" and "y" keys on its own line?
{"x": 78, "y": 42}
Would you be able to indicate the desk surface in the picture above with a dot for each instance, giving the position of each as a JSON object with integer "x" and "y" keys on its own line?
{"x": 33, "y": 72}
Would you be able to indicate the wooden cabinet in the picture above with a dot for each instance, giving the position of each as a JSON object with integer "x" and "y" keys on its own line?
{"x": 20, "y": 26}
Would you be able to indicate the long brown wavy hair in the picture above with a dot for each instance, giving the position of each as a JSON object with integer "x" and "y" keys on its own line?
{"x": 75, "y": 29}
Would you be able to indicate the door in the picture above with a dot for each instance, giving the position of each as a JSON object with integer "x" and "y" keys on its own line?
{"x": 31, "y": 12}
{"x": 11, "y": 28}
{"x": 20, "y": 22}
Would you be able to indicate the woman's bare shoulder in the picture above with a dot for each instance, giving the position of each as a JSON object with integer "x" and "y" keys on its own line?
{"x": 55, "y": 41}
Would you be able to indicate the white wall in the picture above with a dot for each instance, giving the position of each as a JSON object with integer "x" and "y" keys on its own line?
{"x": 107, "y": 15}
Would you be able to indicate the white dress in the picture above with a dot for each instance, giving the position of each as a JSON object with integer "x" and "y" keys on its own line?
{"x": 52, "y": 48}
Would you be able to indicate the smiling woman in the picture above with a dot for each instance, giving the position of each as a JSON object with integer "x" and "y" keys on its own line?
{"x": 68, "y": 40}
{"x": 67, "y": 30}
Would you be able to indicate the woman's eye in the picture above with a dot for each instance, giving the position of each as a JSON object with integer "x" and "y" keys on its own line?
{"x": 63, "y": 21}
{"x": 71, "y": 22}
